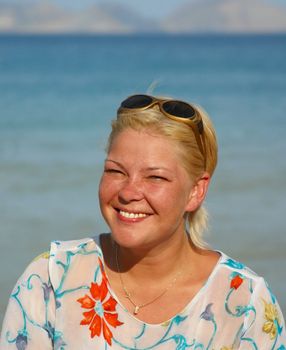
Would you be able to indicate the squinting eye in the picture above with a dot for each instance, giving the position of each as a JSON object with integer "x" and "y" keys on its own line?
{"x": 158, "y": 178}
{"x": 113, "y": 171}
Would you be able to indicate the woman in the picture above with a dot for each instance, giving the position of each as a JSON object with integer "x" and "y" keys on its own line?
{"x": 152, "y": 283}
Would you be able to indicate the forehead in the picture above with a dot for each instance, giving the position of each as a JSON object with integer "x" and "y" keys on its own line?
{"x": 144, "y": 147}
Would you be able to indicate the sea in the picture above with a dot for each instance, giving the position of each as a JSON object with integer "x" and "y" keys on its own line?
{"x": 58, "y": 96}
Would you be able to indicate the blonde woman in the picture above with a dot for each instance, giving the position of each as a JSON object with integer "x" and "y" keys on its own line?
{"x": 152, "y": 282}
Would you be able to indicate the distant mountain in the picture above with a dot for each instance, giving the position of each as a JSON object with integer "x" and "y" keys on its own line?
{"x": 47, "y": 17}
{"x": 233, "y": 16}
{"x": 42, "y": 17}
{"x": 132, "y": 19}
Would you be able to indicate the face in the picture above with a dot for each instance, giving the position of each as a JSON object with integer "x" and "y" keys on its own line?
{"x": 144, "y": 191}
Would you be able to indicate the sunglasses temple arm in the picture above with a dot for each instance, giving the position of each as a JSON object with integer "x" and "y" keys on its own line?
{"x": 201, "y": 142}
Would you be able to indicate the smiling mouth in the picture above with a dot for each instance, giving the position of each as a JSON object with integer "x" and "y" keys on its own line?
{"x": 130, "y": 215}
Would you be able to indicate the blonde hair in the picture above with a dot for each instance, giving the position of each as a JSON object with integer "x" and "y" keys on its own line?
{"x": 153, "y": 120}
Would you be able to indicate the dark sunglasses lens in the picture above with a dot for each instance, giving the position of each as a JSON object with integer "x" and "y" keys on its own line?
{"x": 137, "y": 101}
{"x": 179, "y": 109}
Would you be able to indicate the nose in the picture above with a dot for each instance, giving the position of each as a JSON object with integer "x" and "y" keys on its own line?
{"x": 131, "y": 190}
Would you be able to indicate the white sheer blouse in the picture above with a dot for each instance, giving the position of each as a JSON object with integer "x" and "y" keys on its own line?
{"x": 64, "y": 301}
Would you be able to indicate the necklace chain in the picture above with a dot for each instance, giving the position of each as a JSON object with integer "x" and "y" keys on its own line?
{"x": 137, "y": 307}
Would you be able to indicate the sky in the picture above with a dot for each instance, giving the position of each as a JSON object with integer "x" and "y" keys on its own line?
{"x": 147, "y": 8}
{"x": 154, "y": 8}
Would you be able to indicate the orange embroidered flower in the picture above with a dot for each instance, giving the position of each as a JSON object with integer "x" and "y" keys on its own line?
{"x": 272, "y": 319}
{"x": 101, "y": 311}
{"x": 236, "y": 282}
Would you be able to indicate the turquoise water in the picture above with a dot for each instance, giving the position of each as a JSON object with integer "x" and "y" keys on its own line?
{"x": 58, "y": 96}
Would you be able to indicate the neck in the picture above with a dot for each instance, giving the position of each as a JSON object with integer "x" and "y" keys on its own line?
{"x": 163, "y": 261}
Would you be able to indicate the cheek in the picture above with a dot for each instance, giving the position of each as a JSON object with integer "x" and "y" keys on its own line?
{"x": 169, "y": 200}
{"x": 107, "y": 188}
{"x": 104, "y": 189}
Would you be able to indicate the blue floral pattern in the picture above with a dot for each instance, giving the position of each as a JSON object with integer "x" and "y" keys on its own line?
{"x": 235, "y": 309}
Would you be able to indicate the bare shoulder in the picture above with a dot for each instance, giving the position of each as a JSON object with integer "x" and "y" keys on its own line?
{"x": 205, "y": 261}
{"x": 209, "y": 257}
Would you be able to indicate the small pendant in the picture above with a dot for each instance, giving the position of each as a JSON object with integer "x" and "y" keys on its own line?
{"x": 136, "y": 310}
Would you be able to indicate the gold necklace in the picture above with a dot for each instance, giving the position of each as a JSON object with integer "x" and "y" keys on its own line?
{"x": 127, "y": 293}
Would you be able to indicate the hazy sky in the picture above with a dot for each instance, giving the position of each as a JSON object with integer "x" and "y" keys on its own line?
{"x": 154, "y": 8}
{"x": 148, "y": 8}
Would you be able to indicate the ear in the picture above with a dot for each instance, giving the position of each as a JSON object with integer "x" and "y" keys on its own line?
{"x": 198, "y": 192}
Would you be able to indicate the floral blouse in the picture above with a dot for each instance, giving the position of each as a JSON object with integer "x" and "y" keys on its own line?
{"x": 63, "y": 301}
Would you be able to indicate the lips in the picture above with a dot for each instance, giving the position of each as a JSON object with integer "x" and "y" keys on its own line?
{"x": 131, "y": 215}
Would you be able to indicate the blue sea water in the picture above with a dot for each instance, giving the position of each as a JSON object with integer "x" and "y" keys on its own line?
{"x": 58, "y": 95}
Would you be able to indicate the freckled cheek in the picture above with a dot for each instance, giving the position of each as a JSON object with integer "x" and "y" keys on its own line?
{"x": 158, "y": 194}
{"x": 168, "y": 200}
{"x": 104, "y": 189}
{"x": 108, "y": 189}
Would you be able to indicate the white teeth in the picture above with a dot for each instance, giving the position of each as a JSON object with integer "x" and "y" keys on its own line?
{"x": 132, "y": 215}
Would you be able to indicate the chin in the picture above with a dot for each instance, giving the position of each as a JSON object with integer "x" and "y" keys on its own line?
{"x": 125, "y": 239}
{"x": 130, "y": 239}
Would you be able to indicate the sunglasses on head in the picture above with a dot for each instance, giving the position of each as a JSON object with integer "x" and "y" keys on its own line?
{"x": 173, "y": 109}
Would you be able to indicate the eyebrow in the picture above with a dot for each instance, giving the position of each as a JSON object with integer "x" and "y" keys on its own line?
{"x": 152, "y": 168}
{"x": 158, "y": 168}
{"x": 113, "y": 161}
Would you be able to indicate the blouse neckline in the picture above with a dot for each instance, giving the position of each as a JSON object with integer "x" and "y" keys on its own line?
{"x": 186, "y": 310}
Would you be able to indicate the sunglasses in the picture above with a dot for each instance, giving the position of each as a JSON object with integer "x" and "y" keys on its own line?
{"x": 173, "y": 109}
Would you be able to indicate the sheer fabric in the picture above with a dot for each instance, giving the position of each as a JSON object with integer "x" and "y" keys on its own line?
{"x": 63, "y": 301}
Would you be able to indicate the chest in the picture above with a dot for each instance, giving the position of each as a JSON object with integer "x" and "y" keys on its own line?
{"x": 103, "y": 326}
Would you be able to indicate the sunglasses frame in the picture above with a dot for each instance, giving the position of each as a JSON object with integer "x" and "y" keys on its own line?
{"x": 195, "y": 122}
